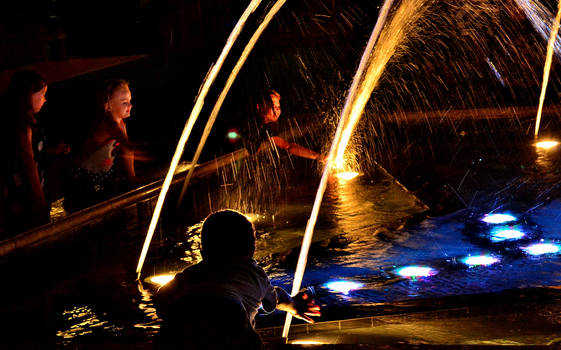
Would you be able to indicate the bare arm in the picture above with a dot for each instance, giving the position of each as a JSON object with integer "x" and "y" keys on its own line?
{"x": 294, "y": 149}
{"x": 127, "y": 152}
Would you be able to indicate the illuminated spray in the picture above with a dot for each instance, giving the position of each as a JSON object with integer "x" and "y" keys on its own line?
{"x": 199, "y": 102}
{"x": 539, "y": 16}
{"x": 374, "y": 63}
{"x": 547, "y": 66}
{"x": 359, "y": 93}
{"x": 210, "y": 123}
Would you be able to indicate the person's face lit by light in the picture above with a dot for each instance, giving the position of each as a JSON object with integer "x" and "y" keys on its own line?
{"x": 272, "y": 114}
{"x": 38, "y": 99}
{"x": 119, "y": 104}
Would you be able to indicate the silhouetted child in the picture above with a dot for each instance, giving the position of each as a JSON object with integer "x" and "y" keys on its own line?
{"x": 213, "y": 304}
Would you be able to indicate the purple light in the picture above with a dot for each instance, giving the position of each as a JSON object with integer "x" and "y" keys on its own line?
{"x": 498, "y": 218}
{"x": 343, "y": 286}
{"x": 477, "y": 260}
{"x": 541, "y": 248}
{"x": 503, "y": 234}
{"x": 416, "y": 271}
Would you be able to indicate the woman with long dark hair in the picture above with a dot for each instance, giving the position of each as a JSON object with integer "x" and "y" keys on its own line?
{"x": 22, "y": 182}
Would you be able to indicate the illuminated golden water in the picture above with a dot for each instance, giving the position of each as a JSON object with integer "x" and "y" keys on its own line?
{"x": 372, "y": 64}
{"x": 390, "y": 38}
{"x": 161, "y": 280}
{"x": 207, "y": 83}
{"x": 547, "y": 66}
{"x": 247, "y": 50}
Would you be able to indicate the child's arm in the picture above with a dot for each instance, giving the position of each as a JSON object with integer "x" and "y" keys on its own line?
{"x": 301, "y": 306}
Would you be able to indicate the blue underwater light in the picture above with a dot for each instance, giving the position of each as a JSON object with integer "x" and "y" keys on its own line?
{"x": 506, "y": 234}
{"x": 342, "y": 286}
{"x": 541, "y": 248}
{"x": 498, "y": 218}
{"x": 416, "y": 271}
{"x": 479, "y": 260}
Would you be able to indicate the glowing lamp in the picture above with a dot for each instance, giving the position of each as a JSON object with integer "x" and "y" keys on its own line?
{"x": 343, "y": 286}
{"x": 160, "y": 279}
{"x": 306, "y": 342}
{"x": 506, "y": 234}
{"x": 541, "y": 248}
{"x": 416, "y": 271}
{"x": 498, "y": 218}
{"x": 478, "y": 260}
{"x": 547, "y": 144}
{"x": 349, "y": 175}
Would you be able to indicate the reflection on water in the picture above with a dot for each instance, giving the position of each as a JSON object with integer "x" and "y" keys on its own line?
{"x": 82, "y": 320}
{"x": 361, "y": 237}
{"x": 147, "y": 306}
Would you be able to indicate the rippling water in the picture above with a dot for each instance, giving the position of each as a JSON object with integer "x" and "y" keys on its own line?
{"x": 362, "y": 236}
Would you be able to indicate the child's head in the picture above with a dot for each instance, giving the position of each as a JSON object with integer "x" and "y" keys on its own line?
{"x": 26, "y": 92}
{"x": 269, "y": 107}
{"x": 227, "y": 234}
{"x": 116, "y": 98}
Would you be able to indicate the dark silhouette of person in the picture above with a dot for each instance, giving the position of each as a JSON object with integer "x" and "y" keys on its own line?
{"x": 213, "y": 304}
{"x": 23, "y": 200}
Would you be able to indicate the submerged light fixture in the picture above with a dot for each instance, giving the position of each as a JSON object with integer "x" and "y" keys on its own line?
{"x": 416, "y": 271}
{"x": 498, "y": 218}
{"x": 306, "y": 342}
{"x": 479, "y": 260}
{"x": 342, "y": 286}
{"x": 506, "y": 234}
{"x": 542, "y": 248}
{"x": 347, "y": 175}
{"x": 547, "y": 144}
{"x": 160, "y": 279}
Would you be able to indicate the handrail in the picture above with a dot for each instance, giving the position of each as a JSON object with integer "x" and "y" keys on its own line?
{"x": 80, "y": 218}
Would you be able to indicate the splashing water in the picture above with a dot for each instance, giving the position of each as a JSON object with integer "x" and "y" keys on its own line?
{"x": 390, "y": 39}
{"x": 209, "y": 79}
{"x": 539, "y": 16}
{"x": 374, "y": 62}
{"x": 547, "y": 67}
{"x": 231, "y": 78}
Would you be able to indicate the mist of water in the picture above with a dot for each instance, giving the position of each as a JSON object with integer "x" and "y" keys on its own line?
{"x": 370, "y": 69}
{"x": 391, "y": 38}
{"x": 232, "y": 77}
{"x": 207, "y": 83}
{"x": 547, "y": 67}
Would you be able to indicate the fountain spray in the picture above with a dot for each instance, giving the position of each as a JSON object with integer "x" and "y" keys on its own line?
{"x": 307, "y": 240}
{"x": 199, "y": 102}
{"x": 373, "y": 63}
{"x": 247, "y": 50}
{"x": 547, "y": 66}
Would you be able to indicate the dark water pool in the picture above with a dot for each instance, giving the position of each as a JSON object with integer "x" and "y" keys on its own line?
{"x": 360, "y": 238}
{"x": 84, "y": 291}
